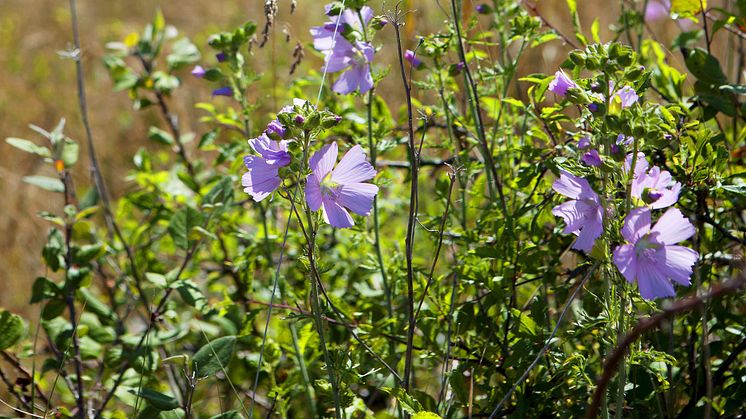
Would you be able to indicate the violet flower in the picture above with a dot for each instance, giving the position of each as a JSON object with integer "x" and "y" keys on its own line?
{"x": 221, "y": 57}
{"x": 627, "y": 96}
{"x": 223, "y": 91}
{"x": 584, "y": 142}
{"x": 275, "y": 127}
{"x": 654, "y": 186}
{"x": 410, "y": 57}
{"x": 341, "y": 54}
{"x": 592, "y": 158}
{"x": 198, "y": 72}
{"x": 262, "y": 178}
{"x": 561, "y": 83}
{"x": 651, "y": 256}
{"x": 583, "y": 214}
{"x": 339, "y": 189}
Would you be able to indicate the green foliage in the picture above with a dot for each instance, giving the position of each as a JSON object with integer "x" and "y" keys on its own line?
{"x": 156, "y": 301}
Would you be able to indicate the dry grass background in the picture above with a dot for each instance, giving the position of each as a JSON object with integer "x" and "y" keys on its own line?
{"x": 37, "y": 86}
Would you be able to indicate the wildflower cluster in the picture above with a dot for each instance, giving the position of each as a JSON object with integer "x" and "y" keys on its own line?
{"x": 335, "y": 190}
{"x": 626, "y": 184}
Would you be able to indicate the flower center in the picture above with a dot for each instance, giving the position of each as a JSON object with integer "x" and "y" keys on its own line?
{"x": 645, "y": 247}
{"x": 329, "y": 187}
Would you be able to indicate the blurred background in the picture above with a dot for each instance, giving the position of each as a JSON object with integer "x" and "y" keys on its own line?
{"x": 37, "y": 86}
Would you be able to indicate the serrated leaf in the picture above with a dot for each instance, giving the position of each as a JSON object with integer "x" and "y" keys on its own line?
{"x": 45, "y": 182}
{"x": 181, "y": 225}
{"x": 408, "y": 403}
{"x": 214, "y": 356}
{"x": 12, "y": 329}
{"x": 28, "y": 146}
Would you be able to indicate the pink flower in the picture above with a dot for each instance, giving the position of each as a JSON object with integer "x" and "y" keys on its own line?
{"x": 263, "y": 177}
{"x": 583, "y": 214}
{"x": 651, "y": 256}
{"x": 410, "y": 57}
{"x": 339, "y": 189}
{"x": 561, "y": 83}
{"x": 655, "y": 187}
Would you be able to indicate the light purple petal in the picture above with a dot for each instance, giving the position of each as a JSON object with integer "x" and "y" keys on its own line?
{"x": 625, "y": 260}
{"x": 641, "y": 164}
{"x": 668, "y": 197}
{"x": 367, "y": 14}
{"x": 572, "y": 213}
{"x": 592, "y": 230}
{"x": 313, "y": 193}
{"x": 348, "y": 81}
{"x": 636, "y": 224}
{"x": 651, "y": 282}
{"x": 322, "y": 161}
{"x": 357, "y": 197}
{"x": 673, "y": 227}
{"x": 335, "y": 215}
{"x": 353, "y": 168}
{"x": 561, "y": 83}
{"x": 678, "y": 263}
{"x": 573, "y": 186}
{"x": 592, "y": 158}
{"x": 261, "y": 179}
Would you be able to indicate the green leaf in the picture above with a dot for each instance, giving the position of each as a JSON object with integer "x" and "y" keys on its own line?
{"x": 12, "y": 329}
{"x": 45, "y": 182}
{"x": 408, "y": 403}
{"x": 28, "y": 146}
{"x": 70, "y": 151}
{"x": 526, "y": 324}
{"x": 160, "y": 136}
{"x": 182, "y": 224}
{"x": 157, "y": 399}
{"x": 183, "y": 52}
{"x": 43, "y": 289}
{"x": 214, "y": 356}
{"x": 191, "y": 294}
{"x": 426, "y": 415}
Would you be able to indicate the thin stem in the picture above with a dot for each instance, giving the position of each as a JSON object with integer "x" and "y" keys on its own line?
{"x": 409, "y": 241}
{"x": 318, "y": 321}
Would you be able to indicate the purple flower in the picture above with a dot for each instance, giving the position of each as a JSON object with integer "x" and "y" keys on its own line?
{"x": 622, "y": 139}
{"x": 221, "y": 57}
{"x": 410, "y": 56}
{"x": 483, "y": 8}
{"x": 356, "y": 58}
{"x": 341, "y": 54}
{"x": 627, "y": 96}
{"x": 275, "y": 127}
{"x": 223, "y": 91}
{"x": 198, "y": 72}
{"x": 655, "y": 187}
{"x": 583, "y": 214}
{"x": 324, "y": 36}
{"x": 592, "y": 158}
{"x": 657, "y": 10}
{"x": 262, "y": 178}
{"x": 584, "y": 142}
{"x": 561, "y": 83}
{"x": 339, "y": 189}
{"x": 651, "y": 256}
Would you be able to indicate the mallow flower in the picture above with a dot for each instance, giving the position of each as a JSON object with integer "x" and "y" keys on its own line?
{"x": 561, "y": 83}
{"x": 340, "y": 189}
{"x": 262, "y": 177}
{"x": 342, "y": 54}
{"x": 411, "y": 57}
{"x": 583, "y": 214}
{"x": 627, "y": 96}
{"x": 654, "y": 186}
{"x": 651, "y": 256}
{"x": 592, "y": 158}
